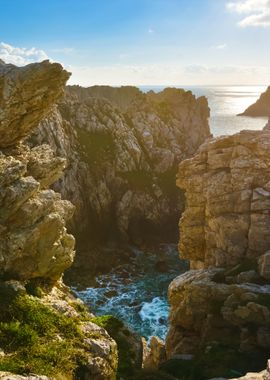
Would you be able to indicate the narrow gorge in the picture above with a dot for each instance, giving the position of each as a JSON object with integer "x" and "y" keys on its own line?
{"x": 99, "y": 165}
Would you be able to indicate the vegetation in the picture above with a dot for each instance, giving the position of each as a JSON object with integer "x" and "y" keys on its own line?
{"x": 120, "y": 334}
{"x": 36, "y": 339}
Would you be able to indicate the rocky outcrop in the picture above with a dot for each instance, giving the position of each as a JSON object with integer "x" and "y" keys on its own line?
{"x": 33, "y": 239}
{"x": 220, "y": 309}
{"x": 122, "y": 147}
{"x": 43, "y": 329}
{"x": 261, "y": 107}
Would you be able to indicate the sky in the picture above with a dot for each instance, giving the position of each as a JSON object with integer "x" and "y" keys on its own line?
{"x": 142, "y": 42}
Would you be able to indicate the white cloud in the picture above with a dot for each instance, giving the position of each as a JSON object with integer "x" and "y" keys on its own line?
{"x": 257, "y": 12}
{"x": 21, "y": 56}
{"x": 221, "y": 46}
{"x": 170, "y": 74}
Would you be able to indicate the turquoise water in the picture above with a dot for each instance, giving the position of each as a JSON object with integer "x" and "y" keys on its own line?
{"x": 137, "y": 292}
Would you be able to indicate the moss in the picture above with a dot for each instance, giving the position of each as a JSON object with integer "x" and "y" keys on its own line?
{"x": 36, "y": 339}
{"x": 34, "y": 288}
{"x": 82, "y": 309}
{"x": 116, "y": 329}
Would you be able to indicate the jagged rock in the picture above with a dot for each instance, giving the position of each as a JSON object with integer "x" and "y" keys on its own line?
{"x": 155, "y": 355}
{"x": 221, "y": 306}
{"x": 261, "y": 107}
{"x": 35, "y": 247}
{"x": 33, "y": 238}
{"x": 227, "y": 191}
{"x": 26, "y": 97}
{"x": 122, "y": 149}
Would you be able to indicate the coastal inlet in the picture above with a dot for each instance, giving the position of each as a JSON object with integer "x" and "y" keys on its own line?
{"x": 136, "y": 292}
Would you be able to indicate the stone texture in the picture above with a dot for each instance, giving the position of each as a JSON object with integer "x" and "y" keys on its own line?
{"x": 26, "y": 97}
{"x": 223, "y": 303}
{"x": 33, "y": 238}
{"x": 227, "y": 189}
{"x": 35, "y": 247}
{"x": 122, "y": 149}
{"x": 261, "y": 107}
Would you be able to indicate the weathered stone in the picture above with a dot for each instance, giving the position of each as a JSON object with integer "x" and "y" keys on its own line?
{"x": 264, "y": 265}
{"x": 122, "y": 148}
{"x": 27, "y": 93}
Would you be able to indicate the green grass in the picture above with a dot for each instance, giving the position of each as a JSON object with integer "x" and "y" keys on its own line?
{"x": 36, "y": 339}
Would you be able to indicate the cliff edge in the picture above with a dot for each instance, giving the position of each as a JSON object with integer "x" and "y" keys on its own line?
{"x": 220, "y": 308}
{"x": 122, "y": 148}
{"x": 261, "y": 107}
{"x": 43, "y": 328}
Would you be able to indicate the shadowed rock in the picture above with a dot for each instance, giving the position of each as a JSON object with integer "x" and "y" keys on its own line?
{"x": 261, "y": 107}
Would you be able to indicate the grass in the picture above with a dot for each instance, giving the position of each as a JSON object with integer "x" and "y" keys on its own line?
{"x": 36, "y": 339}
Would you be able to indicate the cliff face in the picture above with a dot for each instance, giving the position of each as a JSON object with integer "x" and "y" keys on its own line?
{"x": 261, "y": 107}
{"x": 33, "y": 237}
{"x": 122, "y": 148}
{"x": 43, "y": 329}
{"x": 220, "y": 308}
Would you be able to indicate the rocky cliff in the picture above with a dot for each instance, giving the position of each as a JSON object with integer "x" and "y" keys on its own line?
{"x": 261, "y": 107}
{"x": 122, "y": 147}
{"x": 220, "y": 309}
{"x": 43, "y": 329}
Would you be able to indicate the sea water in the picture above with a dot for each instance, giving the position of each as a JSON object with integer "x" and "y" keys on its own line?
{"x": 136, "y": 292}
{"x": 225, "y": 103}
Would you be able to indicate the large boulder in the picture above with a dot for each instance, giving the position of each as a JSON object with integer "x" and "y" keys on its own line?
{"x": 220, "y": 309}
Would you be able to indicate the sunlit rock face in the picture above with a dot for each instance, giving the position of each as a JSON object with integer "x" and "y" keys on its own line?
{"x": 223, "y": 303}
{"x": 33, "y": 238}
{"x": 122, "y": 148}
{"x": 261, "y": 107}
{"x": 35, "y": 247}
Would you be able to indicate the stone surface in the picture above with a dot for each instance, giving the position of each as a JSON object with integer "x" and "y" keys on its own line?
{"x": 261, "y": 107}
{"x": 35, "y": 247}
{"x": 222, "y": 305}
{"x": 26, "y": 97}
{"x": 155, "y": 355}
{"x": 226, "y": 219}
{"x": 33, "y": 238}
{"x": 122, "y": 149}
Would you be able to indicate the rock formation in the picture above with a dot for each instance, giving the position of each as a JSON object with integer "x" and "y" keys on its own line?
{"x": 261, "y": 107}
{"x": 122, "y": 147}
{"x": 43, "y": 329}
{"x": 220, "y": 309}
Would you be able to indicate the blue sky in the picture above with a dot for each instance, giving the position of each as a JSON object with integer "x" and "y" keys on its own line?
{"x": 142, "y": 42}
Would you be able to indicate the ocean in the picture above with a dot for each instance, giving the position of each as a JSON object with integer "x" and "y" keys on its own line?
{"x": 225, "y": 103}
{"x": 136, "y": 292}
